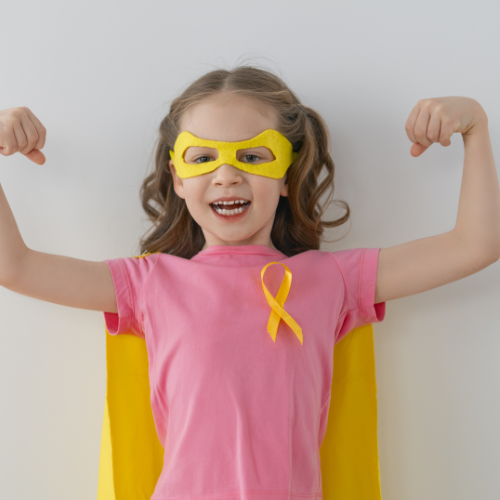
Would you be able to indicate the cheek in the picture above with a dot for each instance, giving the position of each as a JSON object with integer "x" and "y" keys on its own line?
{"x": 195, "y": 186}
{"x": 194, "y": 190}
{"x": 267, "y": 191}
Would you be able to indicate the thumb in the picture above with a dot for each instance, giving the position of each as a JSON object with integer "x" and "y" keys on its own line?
{"x": 36, "y": 156}
{"x": 417, "y": 149}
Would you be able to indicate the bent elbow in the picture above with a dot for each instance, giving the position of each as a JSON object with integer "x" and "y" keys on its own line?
{"x": 10, "y": 273}
{"x": 488, "y": 258}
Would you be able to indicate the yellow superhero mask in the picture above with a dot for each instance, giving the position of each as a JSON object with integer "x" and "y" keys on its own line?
{"x": 276, "y": 142}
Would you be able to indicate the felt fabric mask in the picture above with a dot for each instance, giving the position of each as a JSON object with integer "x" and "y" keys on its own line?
{"x": 277, "y": 143}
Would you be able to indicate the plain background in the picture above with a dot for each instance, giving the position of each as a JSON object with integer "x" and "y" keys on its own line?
{"x": 100, "y": 76}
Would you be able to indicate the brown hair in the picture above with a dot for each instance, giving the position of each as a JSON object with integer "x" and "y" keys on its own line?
{"x": 297, "y": 225}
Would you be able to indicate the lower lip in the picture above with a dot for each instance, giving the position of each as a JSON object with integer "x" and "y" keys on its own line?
{"x": 230, "y": 218}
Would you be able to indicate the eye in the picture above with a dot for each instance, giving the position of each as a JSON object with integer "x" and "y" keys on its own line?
{"x": 200, "y": 158}
{"x": 252, "y": 156}
{"x": 198, "y": 155}
{"x": 255, "y": 155}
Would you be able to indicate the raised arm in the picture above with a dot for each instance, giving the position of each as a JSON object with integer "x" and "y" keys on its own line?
{"x": 54, "y": 278}
{"x": 474, "y": 243}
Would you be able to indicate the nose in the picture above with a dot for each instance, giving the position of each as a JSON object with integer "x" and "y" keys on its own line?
{"x": 227, "y": 175}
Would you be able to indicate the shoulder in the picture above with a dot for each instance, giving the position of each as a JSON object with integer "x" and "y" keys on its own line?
{"x": 339, "y": 258}
{"x": 317, "y": 266}
{"x": 135, "y": 268}
{"x": 356, "y": 265}
{"x": 355, "y": 257}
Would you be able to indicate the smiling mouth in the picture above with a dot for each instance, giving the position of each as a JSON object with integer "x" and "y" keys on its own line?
{"x": 228, "y": 210}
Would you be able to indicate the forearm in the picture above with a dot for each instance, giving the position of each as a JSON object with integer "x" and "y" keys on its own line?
{"x": 12, "y": 246}
{"x": 478, "y": 218}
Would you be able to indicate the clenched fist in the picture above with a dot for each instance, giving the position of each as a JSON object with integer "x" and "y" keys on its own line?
{"x": 21, "y": 130}
{"x": 437, "y": 119}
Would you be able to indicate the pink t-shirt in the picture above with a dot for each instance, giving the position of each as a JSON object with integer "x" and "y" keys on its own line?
{"x": 238, "y": 415}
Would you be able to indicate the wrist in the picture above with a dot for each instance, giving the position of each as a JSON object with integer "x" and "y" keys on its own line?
{"x": 481, "y": 122}
{"x": 479, "y": 135}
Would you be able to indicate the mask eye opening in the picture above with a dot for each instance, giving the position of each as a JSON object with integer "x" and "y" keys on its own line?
{"x": 264, "y": 156}
{"x": 214, "y": 152}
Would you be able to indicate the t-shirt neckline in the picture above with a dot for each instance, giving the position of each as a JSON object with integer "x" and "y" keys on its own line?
{"x": 240, "y": 249}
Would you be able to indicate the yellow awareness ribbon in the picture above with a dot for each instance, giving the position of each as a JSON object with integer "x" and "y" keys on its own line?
{"x": 277, "y": 304}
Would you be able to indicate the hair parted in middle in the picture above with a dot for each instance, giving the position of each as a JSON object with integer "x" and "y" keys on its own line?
{"x": 297, "y": 225}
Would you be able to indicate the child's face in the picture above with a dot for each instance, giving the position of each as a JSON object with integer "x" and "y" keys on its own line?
{"x": 229, "y": 117}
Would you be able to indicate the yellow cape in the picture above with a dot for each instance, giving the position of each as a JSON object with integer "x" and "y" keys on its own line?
{"x": 131, "y": 457}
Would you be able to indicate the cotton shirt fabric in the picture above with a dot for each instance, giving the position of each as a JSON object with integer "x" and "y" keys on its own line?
{"x": 238, "y": 415}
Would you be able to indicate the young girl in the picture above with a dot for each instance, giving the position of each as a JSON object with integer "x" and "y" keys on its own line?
{"x": 240, "y": 366}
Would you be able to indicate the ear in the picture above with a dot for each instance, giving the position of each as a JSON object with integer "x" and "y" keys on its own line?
{"x": 178, "y": 185}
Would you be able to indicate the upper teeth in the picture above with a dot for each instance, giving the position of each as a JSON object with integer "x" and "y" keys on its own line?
{"x": 228, "y": 202}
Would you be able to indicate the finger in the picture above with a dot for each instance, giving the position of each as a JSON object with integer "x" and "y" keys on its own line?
{"x": 41, "y": 130}
{"x": 434, "y": 128}
{"x": 9, "y": 144}
{"x": 446, "y": 133}
{"x": 410, "y": 123}
{"x": 31, "y": 134}
{"x": 20, "y": 136}
{"x": 421, "y": 126}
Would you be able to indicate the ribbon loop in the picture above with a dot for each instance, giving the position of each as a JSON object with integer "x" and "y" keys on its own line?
{"x": 277, "y": 303}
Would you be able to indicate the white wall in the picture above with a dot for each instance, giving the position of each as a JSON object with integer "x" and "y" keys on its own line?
{"x": 100, "y": 74}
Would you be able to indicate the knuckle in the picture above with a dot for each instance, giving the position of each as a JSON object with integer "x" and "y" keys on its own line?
{"x": 32, "y": 141}
{"x": 16, "y": 114}
{"x": 9, "y": 149}
{"x": 433, "y": 135}
{"x": 420, "y": 132}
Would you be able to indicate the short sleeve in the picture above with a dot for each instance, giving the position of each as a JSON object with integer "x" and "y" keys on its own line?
{"x": 130, "y": 276}
{"x": 359, "y": 271}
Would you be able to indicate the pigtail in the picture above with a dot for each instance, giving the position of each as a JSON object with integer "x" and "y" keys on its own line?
{"x": 298, "y": 224}
{"x": 174, "y": 230}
